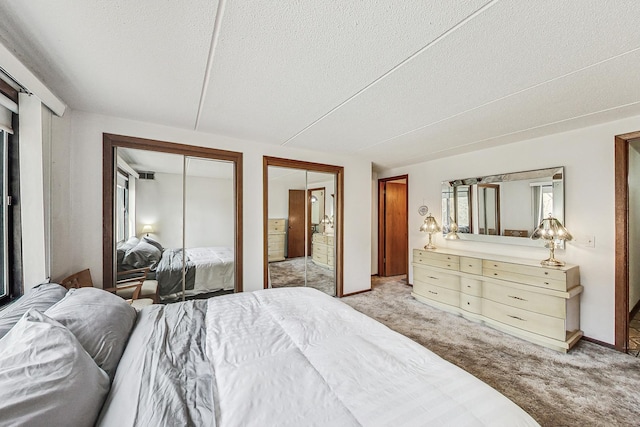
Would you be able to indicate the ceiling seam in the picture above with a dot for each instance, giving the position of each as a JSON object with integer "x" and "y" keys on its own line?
{"x": 595, "y": 64}
{"x": 396, "y": 67}
{"x": 630, "y": 104}
{"x": 212, "y": 50}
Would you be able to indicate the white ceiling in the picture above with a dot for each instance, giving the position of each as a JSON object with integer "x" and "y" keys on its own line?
{"x": 397, "y": 82}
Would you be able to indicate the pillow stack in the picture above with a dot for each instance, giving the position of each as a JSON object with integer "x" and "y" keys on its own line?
{"x": 56, "y": 366}
{"x": 146, "y": 252}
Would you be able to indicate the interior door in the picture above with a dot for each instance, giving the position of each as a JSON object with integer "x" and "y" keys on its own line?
{"x": 297, "y": 224}
{"x": 395, "y": 226}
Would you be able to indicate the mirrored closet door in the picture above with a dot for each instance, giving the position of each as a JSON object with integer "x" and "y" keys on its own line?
{"x": 303, "y": 225}
{"x": 171, "y": 219}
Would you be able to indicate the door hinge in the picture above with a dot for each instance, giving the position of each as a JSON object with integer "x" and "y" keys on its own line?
{"x": 9, "y": 200}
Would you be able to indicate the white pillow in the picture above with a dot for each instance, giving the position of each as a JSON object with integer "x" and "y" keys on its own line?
{"x": 40, "y": 297}
{"x": 46, "y": 377}
{"x": 101, "y": 321}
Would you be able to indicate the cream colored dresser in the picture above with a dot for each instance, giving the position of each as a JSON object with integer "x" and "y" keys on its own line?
{"x": 322, "y": 252}
{"x": 277, "y": 233}
{"x": 518, "y": 296}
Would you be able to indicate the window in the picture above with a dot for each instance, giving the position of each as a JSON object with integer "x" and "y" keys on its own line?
{"x": 122, "y": 206}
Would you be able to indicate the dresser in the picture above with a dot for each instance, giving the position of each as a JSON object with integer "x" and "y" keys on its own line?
{"x": 322, "y": 252}
{"x": 518, "y": 296}
{"x": 276, "y": 237}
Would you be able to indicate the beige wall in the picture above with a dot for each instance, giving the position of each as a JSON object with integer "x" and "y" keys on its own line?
{"x": 587, "y": 155}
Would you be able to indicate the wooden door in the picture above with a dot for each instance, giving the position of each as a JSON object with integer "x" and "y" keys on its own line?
{"x": 394, "y": 230}
{"x": 297, "y": 223}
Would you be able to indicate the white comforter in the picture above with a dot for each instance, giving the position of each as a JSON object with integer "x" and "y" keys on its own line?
{"x": 214, "y": 268}
{"x": 290, "y": 356}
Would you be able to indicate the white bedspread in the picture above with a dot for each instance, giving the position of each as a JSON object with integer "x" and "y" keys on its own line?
{"x": 294, "y": 356}
{"x": 214, "y": 268}
{"x": 289, "y": 357}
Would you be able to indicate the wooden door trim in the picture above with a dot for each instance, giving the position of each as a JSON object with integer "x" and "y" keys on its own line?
{"x": 111, "y": 142}
{"x": 338, "y": 211}
{"x": 621, "y": 190}
{"x": 381, "y": 229}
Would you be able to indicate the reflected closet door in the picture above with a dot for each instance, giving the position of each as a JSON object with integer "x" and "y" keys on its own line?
{"x": 209, "y": 232}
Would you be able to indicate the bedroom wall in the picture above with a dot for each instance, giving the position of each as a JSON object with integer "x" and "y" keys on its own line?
{"x": 209, "y": 219}
{"x": 83, "y": 224}
{"x": 587, "y": 155}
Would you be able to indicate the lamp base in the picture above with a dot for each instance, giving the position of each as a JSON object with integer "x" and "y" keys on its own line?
{"x": 429, "y": 247}
{"x": 552, "y": 262}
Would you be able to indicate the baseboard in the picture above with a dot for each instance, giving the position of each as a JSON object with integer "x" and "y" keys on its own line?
{"x": 356, "y": 293}
{"x": 602, "y": 343}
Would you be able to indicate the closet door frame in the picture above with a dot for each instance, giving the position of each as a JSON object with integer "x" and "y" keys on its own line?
{"x": 338, "y": 171}
{"x": 111, "y": 142}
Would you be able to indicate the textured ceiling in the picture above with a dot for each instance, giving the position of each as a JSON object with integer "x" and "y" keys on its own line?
{"x": 397, "y": 82}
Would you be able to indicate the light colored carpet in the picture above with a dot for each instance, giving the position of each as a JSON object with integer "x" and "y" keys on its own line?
{"x": 291, "y": 271}
{"x": 590, "y": 386}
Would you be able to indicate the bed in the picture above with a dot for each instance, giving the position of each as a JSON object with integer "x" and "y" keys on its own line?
{"x": 288, "y": 356}
{"x": 207, "y": 269}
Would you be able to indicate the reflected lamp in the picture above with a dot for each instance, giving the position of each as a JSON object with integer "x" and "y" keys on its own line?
{"x": 430, "y": 226}
{"x": 553, "y": 232}
{"x": 148, "y": 228}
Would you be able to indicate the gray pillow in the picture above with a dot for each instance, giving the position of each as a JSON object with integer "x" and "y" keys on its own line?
{"x": 142, "y": 255}
{"x": 46, "y": 377}
{"x": 101, "y": 321}
{"x": 123, "y": 247}
{"x": 40, "y": 297}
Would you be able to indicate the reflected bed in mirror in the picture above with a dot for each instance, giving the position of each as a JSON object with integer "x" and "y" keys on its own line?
{"x": 503, "y": 208}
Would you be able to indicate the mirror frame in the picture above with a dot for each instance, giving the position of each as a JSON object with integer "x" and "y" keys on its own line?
{"x": 338, "y": 210}
{"x": 111, "y": 142}
{"x": 506, "y": 177}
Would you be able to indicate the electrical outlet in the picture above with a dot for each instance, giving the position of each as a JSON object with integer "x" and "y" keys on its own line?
{"x": 586, "y": 241}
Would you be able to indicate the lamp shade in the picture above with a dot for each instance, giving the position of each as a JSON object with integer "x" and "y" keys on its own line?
{"x": 551, "y": 229}
{"x": 148, "y": 228}
{"x": 430, "y": 225}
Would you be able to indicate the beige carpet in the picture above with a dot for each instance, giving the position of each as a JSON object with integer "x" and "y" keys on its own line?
{"x": 291, "y": 272}
{"x": 590, "y": 386}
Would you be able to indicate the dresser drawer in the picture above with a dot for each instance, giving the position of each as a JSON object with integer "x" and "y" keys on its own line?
{"x": 330, "y": 259}
{"x": 425, "y": 275}
{"x": 320, "y": 258}
{"x": 528, "y": 270}
{"x": 319, "y": 249}
{"x": 318, "y": 238}
{"x": 526, "y": 300}
{"x": 450, "y": 264}
{"x": 436, "y": 293}
{"x": 330, "y": 240}
{"x": 424, "y": 254}
{"x": 275, "y": 241}
{"x": 471, "y": 304}
{"x": 471, "y": 265}
{"x": 541, "y": 324}
{"x": 542, "y": 282}
{"x": 471, "y": 286}
{"x": 275, "y": 225}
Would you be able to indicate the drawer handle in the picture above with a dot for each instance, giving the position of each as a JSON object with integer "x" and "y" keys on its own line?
{"x": 516, "y": 317}
{"x": 515, "y": 297}
{"x": 470, "y": 265}
{"x": 431, "y": 277}
{"x": 495, "y": 265}
{"x": 431, "y": 292}
{"x": 546, "y": 283}
{"x": 468, "y": 303}
{"x": 448, "y": 265}
{"x": 546, "y": 273}
{"x": 495, "y": 274}
{"x": 469, "y": 286}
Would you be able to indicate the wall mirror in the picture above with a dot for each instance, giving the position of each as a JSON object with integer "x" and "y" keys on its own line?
{"x": 303, "y": 225}
{"x": 503, "y": 208}
{"x": 171, "y": 215}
